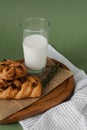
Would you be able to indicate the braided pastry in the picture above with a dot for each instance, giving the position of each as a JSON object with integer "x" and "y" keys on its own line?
{"x": 27, "y": 86}
{"x": 11, "y": 69}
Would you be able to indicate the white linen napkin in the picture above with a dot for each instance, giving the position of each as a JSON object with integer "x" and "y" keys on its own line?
{"x": 70, "y": 115}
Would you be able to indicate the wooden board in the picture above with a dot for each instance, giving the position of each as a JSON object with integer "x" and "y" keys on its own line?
{"x": 60, "y": 94}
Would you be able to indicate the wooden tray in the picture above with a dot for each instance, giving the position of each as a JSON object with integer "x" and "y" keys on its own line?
{"x": 60, "y": 94}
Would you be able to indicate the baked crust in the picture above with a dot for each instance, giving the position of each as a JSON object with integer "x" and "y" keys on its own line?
{"x": 10, "y": 70}
{"x": 27, "y": 86}
{"x": 16, "y": 83}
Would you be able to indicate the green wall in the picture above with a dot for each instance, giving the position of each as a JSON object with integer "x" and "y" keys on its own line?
{"x": 68, "y": 32}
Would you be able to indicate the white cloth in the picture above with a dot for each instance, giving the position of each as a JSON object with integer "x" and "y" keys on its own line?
{"x": 70, "y": 115}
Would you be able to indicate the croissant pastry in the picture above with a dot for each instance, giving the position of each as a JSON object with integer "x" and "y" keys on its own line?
{"x": 10, "y": 70}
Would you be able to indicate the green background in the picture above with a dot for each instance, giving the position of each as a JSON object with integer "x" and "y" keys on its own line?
{"x": 68, "y": 33}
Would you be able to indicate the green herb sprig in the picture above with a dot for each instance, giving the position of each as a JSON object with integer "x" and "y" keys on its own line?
{"x": 50, "y": 75}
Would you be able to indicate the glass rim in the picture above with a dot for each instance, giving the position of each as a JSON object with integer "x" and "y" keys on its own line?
{"x": 35, "y": 18}
{"x": 38, "y": 18}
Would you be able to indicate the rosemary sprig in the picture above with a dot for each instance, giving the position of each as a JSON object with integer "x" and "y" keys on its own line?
{"x": 50, "y": 75}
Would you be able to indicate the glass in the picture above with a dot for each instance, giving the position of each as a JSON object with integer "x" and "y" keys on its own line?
{"x": 35, "y": 44}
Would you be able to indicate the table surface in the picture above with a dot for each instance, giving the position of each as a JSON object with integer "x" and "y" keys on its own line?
{"x": 68, "y": 32}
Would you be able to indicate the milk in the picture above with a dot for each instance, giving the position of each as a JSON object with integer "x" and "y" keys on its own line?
{"x": 35, "y": 51}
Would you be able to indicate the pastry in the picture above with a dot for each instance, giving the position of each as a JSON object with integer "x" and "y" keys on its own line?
{"x": 10, "y": 70}
{"x": 27, "y": 86}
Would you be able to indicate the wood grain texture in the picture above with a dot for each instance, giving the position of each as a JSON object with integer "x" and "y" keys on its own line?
{"x": 58, "y": 95}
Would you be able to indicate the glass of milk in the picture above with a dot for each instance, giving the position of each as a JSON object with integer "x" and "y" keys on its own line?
{"x": 35, "y": 44}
